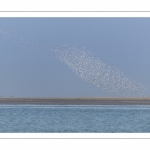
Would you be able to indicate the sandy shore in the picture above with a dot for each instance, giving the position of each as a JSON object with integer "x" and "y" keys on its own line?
{"x": 75, "y": 101}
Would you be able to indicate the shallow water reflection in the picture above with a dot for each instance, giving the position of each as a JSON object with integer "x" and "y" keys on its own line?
{"x": 99, "y": 119}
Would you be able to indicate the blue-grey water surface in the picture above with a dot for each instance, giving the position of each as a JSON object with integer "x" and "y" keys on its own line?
{"x": 77, "y": 118}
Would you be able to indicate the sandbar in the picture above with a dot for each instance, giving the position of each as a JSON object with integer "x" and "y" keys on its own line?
{"x": 75, "y": 101}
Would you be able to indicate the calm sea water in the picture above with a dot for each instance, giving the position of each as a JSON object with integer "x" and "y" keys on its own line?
{"x": 96, "y": 119}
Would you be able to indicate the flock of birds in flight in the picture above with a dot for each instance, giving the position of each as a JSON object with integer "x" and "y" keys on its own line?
{"x": 85, "y": 65}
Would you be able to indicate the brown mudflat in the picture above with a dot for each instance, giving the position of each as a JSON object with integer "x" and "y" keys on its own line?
{"x": 75, "y": 101}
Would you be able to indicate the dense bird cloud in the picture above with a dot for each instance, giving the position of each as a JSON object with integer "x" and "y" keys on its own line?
{"x": 93, "y": 70}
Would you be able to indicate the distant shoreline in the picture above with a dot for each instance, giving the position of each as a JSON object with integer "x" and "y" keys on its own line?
{"x": 75, "y": 101}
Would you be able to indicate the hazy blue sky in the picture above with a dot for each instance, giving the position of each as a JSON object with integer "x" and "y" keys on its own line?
{"x": 120, "y": 42}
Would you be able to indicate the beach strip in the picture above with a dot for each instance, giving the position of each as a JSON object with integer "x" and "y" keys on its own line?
{"x": 75, "y": 101}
